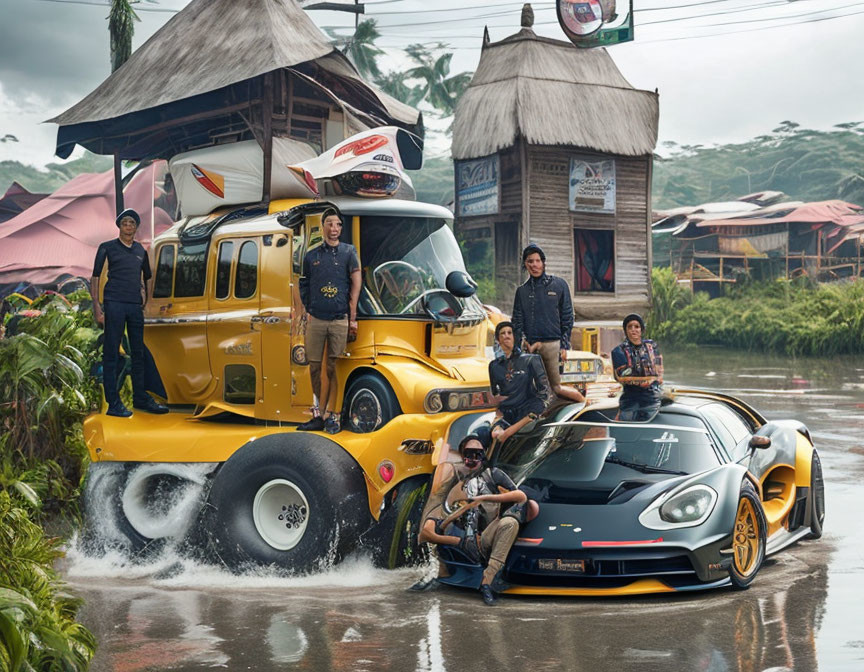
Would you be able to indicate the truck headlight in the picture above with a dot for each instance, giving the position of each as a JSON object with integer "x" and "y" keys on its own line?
{"x": 458, "y": 400}
{"x": 686, "y": 508}
{"x": 433, "y": 403}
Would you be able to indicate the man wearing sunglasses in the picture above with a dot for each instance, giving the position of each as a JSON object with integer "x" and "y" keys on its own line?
{"x": 482, "y": 533}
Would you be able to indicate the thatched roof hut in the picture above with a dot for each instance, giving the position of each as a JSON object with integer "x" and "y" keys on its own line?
{"x": 198, "y": 80}
{"x": 552, "y": 93}
{"x": 552, "y": 145}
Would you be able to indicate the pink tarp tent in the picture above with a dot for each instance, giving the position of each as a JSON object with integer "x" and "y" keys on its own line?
{"x": 60, "y": 234}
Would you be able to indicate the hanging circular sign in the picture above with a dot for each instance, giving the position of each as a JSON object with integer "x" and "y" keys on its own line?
{"x": 582, "y": 19}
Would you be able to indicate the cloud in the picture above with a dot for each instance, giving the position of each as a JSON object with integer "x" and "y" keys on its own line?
{"x": 59, "y": 51}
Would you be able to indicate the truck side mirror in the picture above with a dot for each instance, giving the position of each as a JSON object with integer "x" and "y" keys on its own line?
{"x": 760, "y": 442}
{"x": 441, "y": 306}
{"x": 460, "y": 284}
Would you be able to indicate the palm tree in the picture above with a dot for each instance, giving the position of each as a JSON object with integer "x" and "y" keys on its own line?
{"x": 360, "y": 48}
{"x": 121, "y": 28}
{"x": 440, "y": 88}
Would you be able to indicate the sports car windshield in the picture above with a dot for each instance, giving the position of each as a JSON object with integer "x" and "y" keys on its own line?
{"x": 593, "y": 451}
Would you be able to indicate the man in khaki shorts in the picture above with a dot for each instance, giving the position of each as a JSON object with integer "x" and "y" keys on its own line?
{"x": 543, "y": 316}
{"x": 329, "y": 290}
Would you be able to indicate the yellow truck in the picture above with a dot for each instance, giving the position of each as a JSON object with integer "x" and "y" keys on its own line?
{"x": 226, "y": 469}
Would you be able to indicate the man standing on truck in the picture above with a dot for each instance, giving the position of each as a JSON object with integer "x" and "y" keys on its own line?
{"x": 543, "y": 316}
{"x": 125, "y": 295}
{"x": 638, "y": 366}
{"x": 519, "y": 381}
{"x": 329, "y": 290}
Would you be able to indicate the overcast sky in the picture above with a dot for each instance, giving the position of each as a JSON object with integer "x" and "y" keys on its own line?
{"x": 727, "y": 70}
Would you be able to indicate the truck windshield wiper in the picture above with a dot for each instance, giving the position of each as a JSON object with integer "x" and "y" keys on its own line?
{"x": 644, "y": 468}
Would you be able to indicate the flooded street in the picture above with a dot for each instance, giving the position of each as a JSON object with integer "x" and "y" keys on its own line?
{"x": 803, "y": 612}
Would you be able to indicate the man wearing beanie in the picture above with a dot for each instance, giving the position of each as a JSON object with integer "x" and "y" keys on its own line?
{"x": 638, "y": 366}
{"x": 123, "y": 310}
{"x": 543, "y": 317}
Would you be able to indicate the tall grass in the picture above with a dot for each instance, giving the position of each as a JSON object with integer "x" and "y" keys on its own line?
{"x": 780, "y": 316}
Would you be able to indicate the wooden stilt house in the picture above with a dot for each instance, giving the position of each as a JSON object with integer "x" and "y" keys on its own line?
{"x": 552, "y": 145}
{"x": 223, "y": 71}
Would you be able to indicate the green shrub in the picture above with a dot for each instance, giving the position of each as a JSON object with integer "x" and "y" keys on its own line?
{"x": 794, "y": 318}
{"x": 37, "y": 619}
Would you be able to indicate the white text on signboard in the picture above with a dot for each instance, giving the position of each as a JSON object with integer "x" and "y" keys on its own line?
{"x": 477, "y": 187}
{"x": 592, "y": 185}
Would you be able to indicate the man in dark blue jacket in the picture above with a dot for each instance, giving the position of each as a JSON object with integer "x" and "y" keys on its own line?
{"x": 543, "y": 317}
{"x": 519, "y": 382}
{"x": 122, "y": 310}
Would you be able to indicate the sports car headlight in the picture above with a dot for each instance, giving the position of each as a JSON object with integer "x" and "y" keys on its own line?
{"x": 686, "y": 508}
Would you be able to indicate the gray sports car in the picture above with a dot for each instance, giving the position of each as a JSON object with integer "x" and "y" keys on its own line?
{"x": 695, "y": 498}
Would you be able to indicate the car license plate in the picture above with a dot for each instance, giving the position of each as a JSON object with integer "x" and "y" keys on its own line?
{"x": 559, "y": 565}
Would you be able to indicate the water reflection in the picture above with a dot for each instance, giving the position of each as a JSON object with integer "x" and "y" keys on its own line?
{"x": 763, "y": 628}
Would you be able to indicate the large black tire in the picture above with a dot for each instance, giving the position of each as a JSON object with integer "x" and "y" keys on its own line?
{"x": 297, "y": 501}
{"x": 817, "y": 497}
{"x": 749, "y": 538}
{"x": 105, "y": 524}
{"x": 370, "y": 403}
{"x": 392, "y": 541}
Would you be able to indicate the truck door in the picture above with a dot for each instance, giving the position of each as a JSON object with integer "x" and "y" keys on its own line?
{"x": 287, "y": 390}
{"x": 234, "y": 325}
{"x": 176, "y": 318}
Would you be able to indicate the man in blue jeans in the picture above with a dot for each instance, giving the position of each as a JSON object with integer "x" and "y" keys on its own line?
{"x": 123, "y": 310}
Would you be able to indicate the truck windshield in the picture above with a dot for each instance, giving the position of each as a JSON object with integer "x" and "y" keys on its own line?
{"x": 403, "y": 258}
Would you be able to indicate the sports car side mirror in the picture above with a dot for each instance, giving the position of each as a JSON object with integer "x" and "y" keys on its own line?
{"x": 760, "y": 442}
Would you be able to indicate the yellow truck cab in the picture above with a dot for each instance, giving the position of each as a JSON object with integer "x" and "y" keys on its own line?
{"x": 226, "y": 467}
{"x": 226, "y": 471}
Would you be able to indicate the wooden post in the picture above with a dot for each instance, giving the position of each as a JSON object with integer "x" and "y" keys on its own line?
{"x": 118, "y": 184}
{"x": 267, "y": 130}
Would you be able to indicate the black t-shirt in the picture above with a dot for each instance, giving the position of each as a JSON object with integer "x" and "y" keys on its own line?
{"x": 325, "y": 288}
{"x": 125, "y": 268}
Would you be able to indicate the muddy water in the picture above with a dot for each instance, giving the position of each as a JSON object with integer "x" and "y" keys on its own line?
{"x": 804, "y": 612}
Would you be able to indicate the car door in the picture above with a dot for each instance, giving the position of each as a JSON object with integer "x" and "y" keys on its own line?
{"x": 234, "y": 324}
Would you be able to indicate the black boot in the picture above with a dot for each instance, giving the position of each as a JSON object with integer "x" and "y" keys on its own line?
{"x": 489, "y": 596}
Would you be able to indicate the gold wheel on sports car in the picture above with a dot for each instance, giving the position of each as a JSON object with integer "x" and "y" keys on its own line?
{"x": 749, "y": 532}
{"x": 745, "y": 543}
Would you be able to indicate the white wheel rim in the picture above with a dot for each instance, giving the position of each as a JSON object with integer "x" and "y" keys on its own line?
{"x": 281, "y": 513}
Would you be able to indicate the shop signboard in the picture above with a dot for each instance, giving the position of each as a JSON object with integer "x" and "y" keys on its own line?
{"x": 477, "y": 187}
{"x": 592, "y": 185}
{"x": 596, "y": 23}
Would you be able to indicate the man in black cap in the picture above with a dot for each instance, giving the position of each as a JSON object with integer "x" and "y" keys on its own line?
{"x": 638, "y": 366}
{"x": 124, "y": 298}
{"x": 543, "y": 317}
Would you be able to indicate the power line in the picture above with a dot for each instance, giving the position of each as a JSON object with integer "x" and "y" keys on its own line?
{"x": 686, "y": 37}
